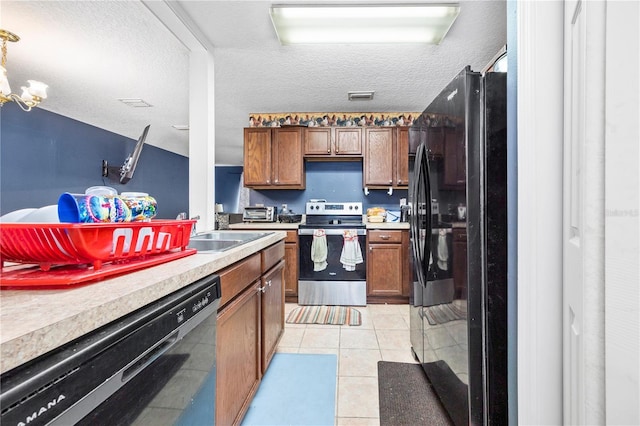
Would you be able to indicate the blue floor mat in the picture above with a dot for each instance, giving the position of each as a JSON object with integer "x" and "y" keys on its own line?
{"x": 297, "y": 389}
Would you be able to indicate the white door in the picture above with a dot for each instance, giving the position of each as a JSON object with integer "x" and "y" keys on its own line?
{"x": 583, "y": 199}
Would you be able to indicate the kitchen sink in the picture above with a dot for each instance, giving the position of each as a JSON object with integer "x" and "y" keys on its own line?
{"x": 221, "y": 241}
{"x": 230, "y": 235}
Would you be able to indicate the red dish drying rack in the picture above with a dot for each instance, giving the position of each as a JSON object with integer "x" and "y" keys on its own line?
{"x": 72, "y": 253}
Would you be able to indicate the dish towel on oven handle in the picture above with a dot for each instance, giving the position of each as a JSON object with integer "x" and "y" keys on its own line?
{"x": 319, "y": 250}
{"x": 443, "y": 250}
{"x": 351, "y": 253}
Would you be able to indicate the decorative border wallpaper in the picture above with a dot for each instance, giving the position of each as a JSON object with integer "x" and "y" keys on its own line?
{"x": 325, "y": 119}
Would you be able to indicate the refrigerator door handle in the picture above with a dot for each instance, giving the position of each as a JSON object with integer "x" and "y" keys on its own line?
{"x": 426, "y": 176}
{"x": 414, "y": 221}
{"x": 421, "y": 251}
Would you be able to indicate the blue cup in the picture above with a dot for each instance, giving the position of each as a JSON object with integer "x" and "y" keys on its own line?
{"x": 83, "y": 208}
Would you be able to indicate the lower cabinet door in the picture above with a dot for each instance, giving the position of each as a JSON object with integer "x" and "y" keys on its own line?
{"x": 236, "y": 383}
{"x": 272, "y": 312}
{"x": 291, "y": 272}
{"x": 384, "y": 270}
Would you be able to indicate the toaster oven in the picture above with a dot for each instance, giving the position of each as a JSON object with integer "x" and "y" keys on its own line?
{"x": 260, "y": 214}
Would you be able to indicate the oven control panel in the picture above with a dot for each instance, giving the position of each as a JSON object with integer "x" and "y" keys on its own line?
{"x": 325, "y": 208}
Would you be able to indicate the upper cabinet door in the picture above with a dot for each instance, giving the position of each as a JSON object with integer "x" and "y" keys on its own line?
{"x": 257, "y": 156}
{"x": 402, "y": 157}
{"x": 287, "y": 160}
{"x": 348, "y": 141}
{"x": 317, "y": 141}
{"x": 454, "y": 158}
{"x": 379, "y": 157}
{"x": 331, "y": 142}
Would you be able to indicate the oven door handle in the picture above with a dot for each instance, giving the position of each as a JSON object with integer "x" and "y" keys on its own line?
{"x": 329, "y": 231}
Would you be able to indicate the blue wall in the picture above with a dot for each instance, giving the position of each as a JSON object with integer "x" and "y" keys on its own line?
{"x": 43, "y": 154}
{"x": 227, "y": 185}
{"x": 334, "y": 181}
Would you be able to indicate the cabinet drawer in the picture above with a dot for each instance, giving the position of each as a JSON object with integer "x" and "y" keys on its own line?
{"x": 238, "y": 276}
{"x": 459, "y": 235}
{"x": 272, "y": 255}
{"x": 380, "y": 236}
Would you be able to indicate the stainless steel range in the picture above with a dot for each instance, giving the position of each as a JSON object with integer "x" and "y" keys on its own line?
{"x": 333, "y": 262}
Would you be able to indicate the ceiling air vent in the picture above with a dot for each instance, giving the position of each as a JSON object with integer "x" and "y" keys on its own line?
{"x": 360, "y": 96}
{"x": 135, "y": 102}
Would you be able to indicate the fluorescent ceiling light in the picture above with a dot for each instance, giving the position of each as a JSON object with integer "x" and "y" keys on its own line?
{"x": 354, "y": 23}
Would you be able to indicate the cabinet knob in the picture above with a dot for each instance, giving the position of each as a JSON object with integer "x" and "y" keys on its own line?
{"x": 276, "y": 181}
{"x": 390, "y": 180}
{"x": 384, "y": 237}
{"x": 370, "y": 249}
{"x": 262, "y": 289}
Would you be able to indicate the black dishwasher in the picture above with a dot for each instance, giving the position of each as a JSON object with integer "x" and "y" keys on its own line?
{"x": 155, "y": 366}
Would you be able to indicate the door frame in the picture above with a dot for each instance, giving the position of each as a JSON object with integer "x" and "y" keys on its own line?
{"x": 539, "y": 203}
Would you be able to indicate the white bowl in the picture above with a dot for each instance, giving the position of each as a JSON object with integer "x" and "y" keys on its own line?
{"x": 16, "y": 215}
{"x": 47, "y": 214}
{"x": 101, "y": 190}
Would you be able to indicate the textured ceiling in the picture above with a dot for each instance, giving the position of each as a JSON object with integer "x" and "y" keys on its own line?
{"x": 91, "y": 53}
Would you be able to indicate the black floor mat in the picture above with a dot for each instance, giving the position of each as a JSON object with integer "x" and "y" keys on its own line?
{"x": 407, "y": 398}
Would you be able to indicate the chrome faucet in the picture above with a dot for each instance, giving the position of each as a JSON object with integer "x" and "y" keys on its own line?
{"x": 193, "y": 228}
{"x": 183, "y": 216}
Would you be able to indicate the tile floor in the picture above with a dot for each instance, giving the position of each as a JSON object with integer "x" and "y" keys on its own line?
{"x": 383, "y": 336}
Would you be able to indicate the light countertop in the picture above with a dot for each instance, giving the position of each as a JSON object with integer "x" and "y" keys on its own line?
{"x": 33, "y": 322}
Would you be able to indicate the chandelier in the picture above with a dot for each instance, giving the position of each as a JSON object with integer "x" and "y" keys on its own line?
{"x": 32, "y": 95}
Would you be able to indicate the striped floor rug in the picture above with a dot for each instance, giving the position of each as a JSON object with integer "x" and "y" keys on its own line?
{"x": 440, "y": 314}
{"x": 334, "y": 315}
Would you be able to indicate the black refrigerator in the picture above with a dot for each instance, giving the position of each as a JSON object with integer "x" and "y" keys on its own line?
{"x": 458, "y": 220}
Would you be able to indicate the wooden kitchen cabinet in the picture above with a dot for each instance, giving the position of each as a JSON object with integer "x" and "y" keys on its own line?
{"x": 460, "y": 263}
{"x": 348, "y": 140}
{"x": 291, "y": 251}
{"x": 332, "y": 143}
{"x": 386, "y": 159}
{"x": 318, "y": 141}
{"x": 272, "y": 321}
{"x": 272, "y": 312}
{"x": 387, "y": 266}
{"x": 273, "y": 158}
{"x": 402, "y": 157}
{"x": 379, "y": 158}
{"x": 238, "y": 355}
{"x": 250, "y": 323}
{"x": 257, "y": 156}
{"x": 435, "y": 140}
{"x": 454, "y": 158}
